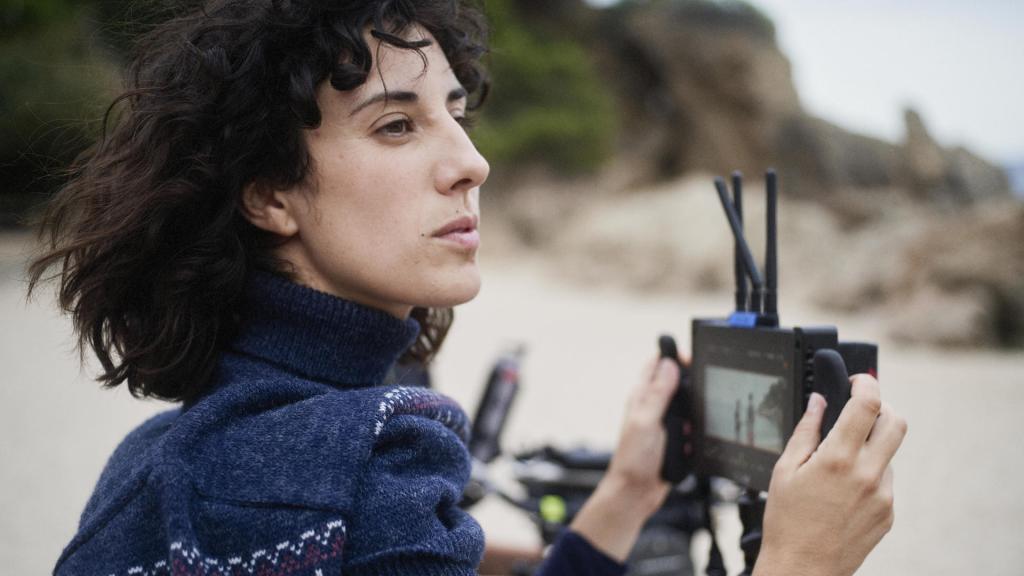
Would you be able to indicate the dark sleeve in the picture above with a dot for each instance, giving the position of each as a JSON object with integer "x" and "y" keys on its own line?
{"x": 406, "y": 518}
{"x": 573, "y": 555}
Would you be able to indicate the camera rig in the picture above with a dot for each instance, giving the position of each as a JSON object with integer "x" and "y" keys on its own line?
{"x": 751, "y": 378}
{"x": 734, "y": 410}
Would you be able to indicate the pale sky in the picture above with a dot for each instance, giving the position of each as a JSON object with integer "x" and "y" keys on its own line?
{"x": 960, "y": 63}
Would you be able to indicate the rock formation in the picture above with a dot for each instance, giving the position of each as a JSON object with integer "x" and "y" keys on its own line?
{"x": 946, "y": 176}
{"x": 704, "y": 87}
{"x": 929, "y": 236}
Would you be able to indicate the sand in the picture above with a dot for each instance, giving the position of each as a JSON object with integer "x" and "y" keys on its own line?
{"x": 957, "y": 476}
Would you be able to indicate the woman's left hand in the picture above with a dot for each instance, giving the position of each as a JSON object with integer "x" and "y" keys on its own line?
{"x": 636, "y": 465}
{"x": 632, "y": 489}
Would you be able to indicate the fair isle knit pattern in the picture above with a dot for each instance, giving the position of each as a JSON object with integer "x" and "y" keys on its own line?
{"x": 287, "y": 558}
{"x": 405, "y": 400}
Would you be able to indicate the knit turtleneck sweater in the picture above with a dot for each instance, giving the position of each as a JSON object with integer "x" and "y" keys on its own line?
{"x": 298, "y": 461}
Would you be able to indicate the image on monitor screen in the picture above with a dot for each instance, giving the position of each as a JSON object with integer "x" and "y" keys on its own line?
{"x": 744, "y": 408}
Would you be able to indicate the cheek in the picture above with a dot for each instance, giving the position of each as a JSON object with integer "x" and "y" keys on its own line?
{"x": 375, "y": 240}
{"x": 376, "y": 198}
{"x": 374, "y": 218}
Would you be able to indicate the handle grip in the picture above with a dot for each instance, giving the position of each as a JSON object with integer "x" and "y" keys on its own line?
{"x": 677, "y": 461}
{"x": 831, "y": 381}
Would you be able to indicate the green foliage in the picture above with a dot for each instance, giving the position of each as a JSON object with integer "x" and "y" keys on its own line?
{"x": 21, "y": 14}
{"x": 548, "y": 105}
{"x": 121, "y": 23}
{"x": 47, "y": 78}
{"x": 54, "y": 86}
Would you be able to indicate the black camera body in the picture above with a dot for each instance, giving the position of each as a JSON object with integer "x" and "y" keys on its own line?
{"x": 751, "y": 386}
{"x": 750, "y": 379}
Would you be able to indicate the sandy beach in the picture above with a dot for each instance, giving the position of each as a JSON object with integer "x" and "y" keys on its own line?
{"x": 957, "y": 508}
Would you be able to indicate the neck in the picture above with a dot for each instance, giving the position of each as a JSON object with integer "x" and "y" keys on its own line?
{"x": 306, "y": 274}
{"x": 318, "y": 334}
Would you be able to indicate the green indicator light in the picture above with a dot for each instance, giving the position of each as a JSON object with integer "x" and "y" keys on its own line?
{"x": 552, "y": 509}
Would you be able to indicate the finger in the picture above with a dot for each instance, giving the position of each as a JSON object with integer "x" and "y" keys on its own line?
{"x": 886, "y": 437}
{"x": 664, "y": 381}
{"x": 885, "y": 489}
{"x": 858, "y": 416}
{"x": 655, "y": 392}
{"x": 648, "y": 371}
{"x": 806, "y": 435}
{"x": 886, "y": 494}
{"x": 887, "y": 479}
{"x": 884, "y": 510}
{"x": 636, "y": 396}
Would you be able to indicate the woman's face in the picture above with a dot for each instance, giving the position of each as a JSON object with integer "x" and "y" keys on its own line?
{"x": 391, "y": 217}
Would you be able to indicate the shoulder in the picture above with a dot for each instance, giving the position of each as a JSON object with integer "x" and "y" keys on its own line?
{"x": 406, "y": 515}
{"x": 418, "y": 435}
{"x": 422, "y": 403}
{"x": 376, "y": 471}
{"x": 128, "y": 466}
{"x": 305, "y": 444}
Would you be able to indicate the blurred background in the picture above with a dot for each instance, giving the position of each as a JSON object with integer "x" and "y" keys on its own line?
{"x": 896, "y": 134}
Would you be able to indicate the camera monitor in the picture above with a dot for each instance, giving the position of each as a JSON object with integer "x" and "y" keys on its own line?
{"x": 745, "y": 397}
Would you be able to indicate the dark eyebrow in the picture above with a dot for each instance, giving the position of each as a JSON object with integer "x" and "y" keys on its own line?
{"x": 456, "y": 94}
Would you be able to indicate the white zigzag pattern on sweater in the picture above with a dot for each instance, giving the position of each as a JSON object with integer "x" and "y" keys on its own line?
{"x": 406, "y": 400}
{"x": 193, "y": 556}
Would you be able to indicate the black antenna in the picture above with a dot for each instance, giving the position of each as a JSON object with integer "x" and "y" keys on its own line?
{"x": 771, "y": 260}
{"x": 737, "y": 232}
{"x": 741, "y": 277}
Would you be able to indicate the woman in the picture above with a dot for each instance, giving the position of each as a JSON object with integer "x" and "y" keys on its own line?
{"x": 287, "y": 204}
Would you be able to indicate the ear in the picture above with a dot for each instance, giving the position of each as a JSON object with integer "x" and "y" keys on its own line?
{"x": 269, "y": 209}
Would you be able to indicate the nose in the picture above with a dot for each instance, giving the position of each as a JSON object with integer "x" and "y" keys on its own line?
{"x": 462, "y": 168}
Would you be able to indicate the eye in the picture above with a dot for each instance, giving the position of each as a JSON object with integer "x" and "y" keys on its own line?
{"x": 397, "y": 128}
{"x": 467, "y": 122}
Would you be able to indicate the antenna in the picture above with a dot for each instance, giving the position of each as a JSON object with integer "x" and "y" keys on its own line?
{"x": 771, "y": 260}
{"x": 741, "y": 277}
{"x": 741, "y": 243}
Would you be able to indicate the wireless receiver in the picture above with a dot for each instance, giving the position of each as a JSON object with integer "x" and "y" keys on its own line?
{"x": 750, "y": 378}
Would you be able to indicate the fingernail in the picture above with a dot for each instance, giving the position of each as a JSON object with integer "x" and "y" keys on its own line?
{"x": 816, "y": 403}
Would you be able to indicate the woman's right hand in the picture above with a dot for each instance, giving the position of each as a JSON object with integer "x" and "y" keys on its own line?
{"x": 830, "y": 504}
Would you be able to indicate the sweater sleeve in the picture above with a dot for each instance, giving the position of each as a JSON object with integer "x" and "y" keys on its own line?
{"x": 406, "y": 518}
{"x": 573, "y": 555}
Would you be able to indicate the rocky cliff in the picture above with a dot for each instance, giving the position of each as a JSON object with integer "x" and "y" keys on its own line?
{"x": 923, "y": 235}
{"x": 703, "y": 86}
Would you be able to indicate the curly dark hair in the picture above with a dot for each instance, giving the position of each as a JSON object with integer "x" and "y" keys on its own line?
{"x": 147, "y": 234}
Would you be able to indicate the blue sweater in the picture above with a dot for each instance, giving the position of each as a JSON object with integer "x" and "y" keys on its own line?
{"x": 297, "y": 462}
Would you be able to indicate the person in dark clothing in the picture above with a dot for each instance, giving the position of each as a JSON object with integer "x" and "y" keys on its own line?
{"x": 285, "y": 204}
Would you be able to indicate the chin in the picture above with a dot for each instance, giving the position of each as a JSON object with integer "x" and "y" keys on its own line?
{"x": 453, "y": 290}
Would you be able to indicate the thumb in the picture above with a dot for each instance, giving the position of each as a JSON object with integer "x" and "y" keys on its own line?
{"x": 655, "y": 394}
{"x": 807, "y": 434}
{"x": 665, "y": 380}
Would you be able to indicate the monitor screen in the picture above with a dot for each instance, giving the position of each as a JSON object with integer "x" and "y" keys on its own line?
{"x": 745, "y": 408}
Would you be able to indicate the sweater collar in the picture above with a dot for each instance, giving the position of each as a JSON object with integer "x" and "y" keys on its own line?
{"x": 319, "y": 335}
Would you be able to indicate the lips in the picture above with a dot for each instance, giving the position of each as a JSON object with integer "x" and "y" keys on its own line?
{"x": 461, "y": 232}
{"x": 461, "y": 224}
